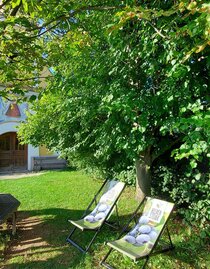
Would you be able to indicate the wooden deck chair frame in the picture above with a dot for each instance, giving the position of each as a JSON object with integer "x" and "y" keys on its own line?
{"x": 125, "y": 229}
{"x": 98, "y": 229}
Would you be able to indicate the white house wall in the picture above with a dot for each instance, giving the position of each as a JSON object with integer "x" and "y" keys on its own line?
{"x": 9, "y": 124}
{"x": 6, "y": 127}
{"x": 32, "y": 152}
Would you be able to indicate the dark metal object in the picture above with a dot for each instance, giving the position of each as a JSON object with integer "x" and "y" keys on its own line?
{"x": 8, "y": 207}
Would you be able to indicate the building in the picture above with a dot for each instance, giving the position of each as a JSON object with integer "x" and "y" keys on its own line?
{"x": 13, "y": 155}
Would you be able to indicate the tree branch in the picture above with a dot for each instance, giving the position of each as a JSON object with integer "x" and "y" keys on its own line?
{"x": 33, "y": 78}
{"x": 3, "y": 4}
{"x": 164, "y": 149}
{"x": 44, "y": 32}
{"x": 15, "y": 10}
{"x": 73, "y": 13}
{"x": 157, "y": 31}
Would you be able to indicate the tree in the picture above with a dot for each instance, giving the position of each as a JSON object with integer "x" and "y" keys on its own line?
{"x": 139, "y": 77}
{"x": 26, "y": 27}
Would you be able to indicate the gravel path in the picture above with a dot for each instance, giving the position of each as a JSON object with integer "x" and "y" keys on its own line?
{"x": 11, "y": 175}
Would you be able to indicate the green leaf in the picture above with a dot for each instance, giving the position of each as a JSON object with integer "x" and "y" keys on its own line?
{"x": 25, "y": 5}
{"x": 193, "y": 163}
{"x": 198, "y": 176}
{"x": 15, "y": 3}
{"x": 32, "y": 98}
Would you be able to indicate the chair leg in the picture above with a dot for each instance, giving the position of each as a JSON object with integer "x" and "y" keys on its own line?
{"x": 91, "y": 241}
{"x": 71, "y": 233}
{"x": 76, "y": 245}
{"x": 112, "y": 224}
{"x": 103, "y": 263}
{"x": 70, "y": 241}
{"x": 14, "y": 220}
{"x": 161, "y": 251}
{"x": 83, "y": 250}
{"x": 167, "y": 246}
{"x": 169, "y": 237}
{"x": 118, "y": 219}
{"x": 144, "y": 265}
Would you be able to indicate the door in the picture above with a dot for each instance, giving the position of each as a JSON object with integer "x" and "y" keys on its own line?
{"x": 13, "y": 156}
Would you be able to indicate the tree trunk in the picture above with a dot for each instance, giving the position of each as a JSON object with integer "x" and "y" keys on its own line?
{"x": 143, "y": 175}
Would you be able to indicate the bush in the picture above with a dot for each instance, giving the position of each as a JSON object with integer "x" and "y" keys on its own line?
{"x": 128, "y": 176}
{"x": 188, "y": 188}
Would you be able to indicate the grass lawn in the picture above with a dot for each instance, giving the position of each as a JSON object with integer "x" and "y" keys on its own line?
{"x": 49, "y": 200}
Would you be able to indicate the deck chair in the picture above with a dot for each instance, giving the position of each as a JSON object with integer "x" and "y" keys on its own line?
{"x": 143, "y": 239}
{"x": 105, "y": 202}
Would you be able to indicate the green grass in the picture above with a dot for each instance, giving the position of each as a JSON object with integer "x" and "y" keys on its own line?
{"x": 49, "y": 200}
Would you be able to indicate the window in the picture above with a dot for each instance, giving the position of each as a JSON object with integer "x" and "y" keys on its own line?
{"x": 5, "y": 142}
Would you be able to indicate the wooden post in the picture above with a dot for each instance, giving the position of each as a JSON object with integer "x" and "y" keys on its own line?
{"x": 14, "y": 220}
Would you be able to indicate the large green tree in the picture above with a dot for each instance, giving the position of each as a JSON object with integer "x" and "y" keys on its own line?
{"x": 130, "y": 81}
{"x": 128, "y": 92}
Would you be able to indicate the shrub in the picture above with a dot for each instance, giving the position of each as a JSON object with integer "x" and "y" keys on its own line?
{"x": 187, "y": 187}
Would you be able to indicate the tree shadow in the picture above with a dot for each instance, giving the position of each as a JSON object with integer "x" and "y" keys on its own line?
{"x": 189, "y": 248}
{"x": 40, "y": 241}
{"x": 185, "y": 253}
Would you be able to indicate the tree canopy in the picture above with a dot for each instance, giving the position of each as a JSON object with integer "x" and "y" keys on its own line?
{"x": 29, "y": 27}
{"x": 129, "y": 81}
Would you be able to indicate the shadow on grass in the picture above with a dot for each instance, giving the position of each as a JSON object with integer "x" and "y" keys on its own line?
{"x": 189, "y": 249}
{"x": 41, "y": 243}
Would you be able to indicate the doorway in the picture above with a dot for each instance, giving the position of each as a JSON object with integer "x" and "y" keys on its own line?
{"x": 13, "y": 155}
